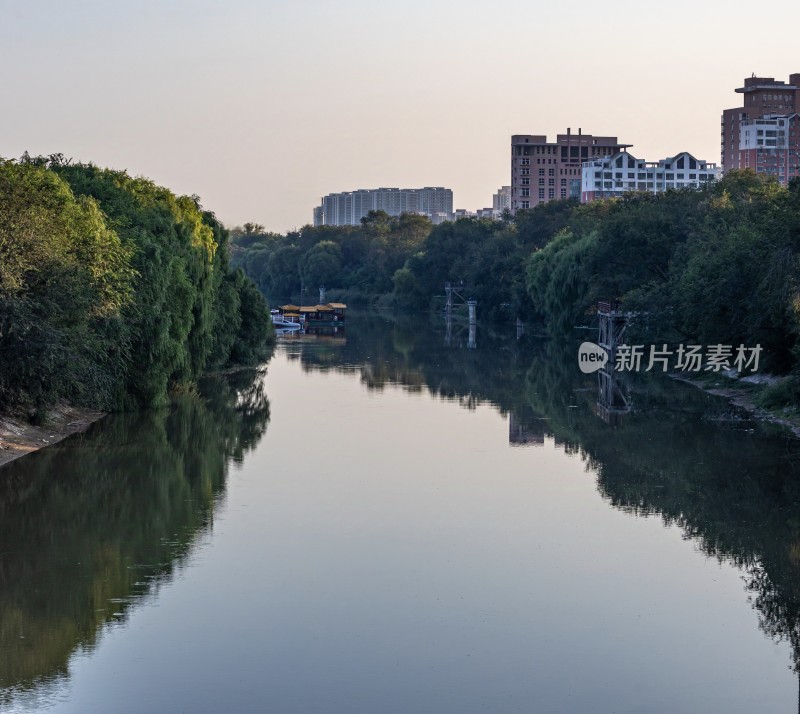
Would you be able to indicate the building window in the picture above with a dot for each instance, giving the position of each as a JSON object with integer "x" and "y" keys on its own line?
{"x": 525, "y": 172}
{"x": 526, "y": 204}
{"x": 541, "y": 194}
{"x": 525, "y": 192}
{"x": 526, "y": 162}
{"x": 526, "y": 181}
{"x": 551, "y": 182}
{"x": 563, "y": 182}
{"x": 551, "y": 193}
{"x": 541, "y": 172}
{"x": 563, "y": 193}
{"x": 551, "y": 172}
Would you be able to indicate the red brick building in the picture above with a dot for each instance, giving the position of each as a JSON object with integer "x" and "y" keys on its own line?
{"x": 762, "y": 133}
{"x": 544, "y": 171}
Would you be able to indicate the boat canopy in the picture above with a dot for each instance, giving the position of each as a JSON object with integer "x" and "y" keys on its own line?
{"x": 311, "y": 309}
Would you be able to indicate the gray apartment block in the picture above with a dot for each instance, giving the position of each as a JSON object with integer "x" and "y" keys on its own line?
{"x": 348, "y": 208}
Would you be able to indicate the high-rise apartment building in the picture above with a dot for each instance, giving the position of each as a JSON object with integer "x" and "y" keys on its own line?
{"x": 771, "y": 145}
{"x": 544, "y": 171}
{"x": 348, "y": 208}
{"x": 762, "y": 134}
{"x": 501, "y": 201}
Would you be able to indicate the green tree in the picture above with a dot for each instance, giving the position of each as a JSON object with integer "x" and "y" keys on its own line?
{"x": 321, "y": 264}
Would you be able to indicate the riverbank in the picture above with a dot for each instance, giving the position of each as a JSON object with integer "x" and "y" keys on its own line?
{"x": 744, "y": 394}
{"x": 19, "y": 438}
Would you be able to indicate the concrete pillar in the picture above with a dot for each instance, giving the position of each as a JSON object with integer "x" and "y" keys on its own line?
{"x": 472, "y": 304}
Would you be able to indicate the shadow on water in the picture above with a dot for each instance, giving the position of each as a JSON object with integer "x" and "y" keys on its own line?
{"x": 731, "y": 485}
{"x": 93, "y": 525}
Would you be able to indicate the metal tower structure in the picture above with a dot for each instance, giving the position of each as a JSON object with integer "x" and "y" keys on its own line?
{"x": 613, "y": 400}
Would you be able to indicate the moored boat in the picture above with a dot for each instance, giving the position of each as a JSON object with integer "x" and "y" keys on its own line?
{"x": 283, "y": 322}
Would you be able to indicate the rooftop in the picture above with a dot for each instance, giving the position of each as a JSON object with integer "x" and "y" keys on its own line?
{"x": 757, "y": 84}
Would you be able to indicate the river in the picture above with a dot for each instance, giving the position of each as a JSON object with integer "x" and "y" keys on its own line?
{"x": 401, "y": 519}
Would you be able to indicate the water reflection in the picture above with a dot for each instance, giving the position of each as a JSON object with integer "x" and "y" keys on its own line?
{"x": 731, "y": 485}
{"x": 91, "y": 526}
{"x": 525, "y": 433}
{"x": 613, "y": 395}
{"x": 457, "y": 334}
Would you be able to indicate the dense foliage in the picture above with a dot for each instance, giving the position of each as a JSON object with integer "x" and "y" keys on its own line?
{"x": 402, "y": 261}
{"x": 718, "y": 266}
{"x": 357, "y": 262}
{"x": 112, "y": 289}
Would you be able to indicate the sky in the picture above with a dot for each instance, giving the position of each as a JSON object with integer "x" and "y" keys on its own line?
{"x": 261, "y": 107}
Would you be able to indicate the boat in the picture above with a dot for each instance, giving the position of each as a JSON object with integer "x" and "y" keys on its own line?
{"x": 281, "y": 322}
{"x": 331, "y": 313}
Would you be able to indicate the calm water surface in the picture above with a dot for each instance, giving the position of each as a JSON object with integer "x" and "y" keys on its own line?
{"x": 388, "y": 521}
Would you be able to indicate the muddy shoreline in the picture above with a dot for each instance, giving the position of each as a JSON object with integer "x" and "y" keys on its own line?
{"x": 19, "y": 438}
{"x": 742, "y": 398}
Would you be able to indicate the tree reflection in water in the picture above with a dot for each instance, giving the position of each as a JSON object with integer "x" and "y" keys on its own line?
{"x": 731, "y": 485}
{"x": 90, "y": 526}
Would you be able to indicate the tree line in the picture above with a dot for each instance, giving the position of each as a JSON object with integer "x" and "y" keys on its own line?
{"x": 400, "y": 261}
{"x": 113, "y": 290}
{"x": 718, "y": 265}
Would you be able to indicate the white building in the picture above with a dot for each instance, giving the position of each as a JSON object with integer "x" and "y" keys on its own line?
{"x": 622, "y": 172}
{"x": 461, "y": 213}
{"x": 769, "y": 132}
{"x": 502, "y": 199}
{"x": 348, "y": 208}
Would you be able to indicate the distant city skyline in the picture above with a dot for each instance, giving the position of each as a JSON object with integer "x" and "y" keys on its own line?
{"x": 237, "y": 103}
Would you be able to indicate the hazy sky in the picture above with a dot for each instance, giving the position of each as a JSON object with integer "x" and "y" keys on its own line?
{"x": 263, "y": 107}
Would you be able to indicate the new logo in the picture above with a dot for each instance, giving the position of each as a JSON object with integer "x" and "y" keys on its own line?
{"x": 591, "y": 357}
